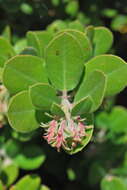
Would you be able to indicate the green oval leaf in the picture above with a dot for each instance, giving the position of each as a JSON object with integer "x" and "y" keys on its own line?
{"x": 39, "y": 40}
{"x": 64, "y": 61}
{"x": 43, "y": 96}
{"x": 31, "y": 181}
{"x": 83, "y": 106}
{"x": 24, "y": 71}
{"x": 21, "y": 113}
{"x": 102, "y": 40}
{"x": 115, "y": 70}
{"x": 83, "y": 41}
{"x": 93, "y": 86}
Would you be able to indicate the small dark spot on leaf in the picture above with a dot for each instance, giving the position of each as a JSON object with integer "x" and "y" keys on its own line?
{"x": 87, "y": 49}
{"x": 57, "y": 52}
{"x": 56, "y": 29}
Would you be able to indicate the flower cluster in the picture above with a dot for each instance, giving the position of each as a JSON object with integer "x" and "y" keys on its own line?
{"x": 66, "y": 134}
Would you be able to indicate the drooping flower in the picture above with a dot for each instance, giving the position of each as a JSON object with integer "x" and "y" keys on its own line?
{"x": 49, "y": 135}
{"x": 66, "y": 134}
{"x": 60, "y": 140}
{"x": 65, "y": 131}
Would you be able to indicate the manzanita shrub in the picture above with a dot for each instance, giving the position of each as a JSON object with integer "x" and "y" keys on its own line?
{"x": 59, "y": 81}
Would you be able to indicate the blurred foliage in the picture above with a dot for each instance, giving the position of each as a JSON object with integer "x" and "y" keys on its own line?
{"x": 104, "y": 164}
{"x": 38, "y": 13}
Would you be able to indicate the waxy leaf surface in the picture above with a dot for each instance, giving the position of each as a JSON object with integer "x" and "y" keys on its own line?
{"x": 39, "y": 41}
{"x": 115, "y": 70}
{"x": 94, "y": 86}
{"x": 64, "y": 61}
{"x": 43, "y": 96}
{"x": 102, "y": 40}
{"x": 23, "y": 71}
{"x": 21, "y": 113}
{"x": 83, "y": 106}
{"x": 83, "y": 41}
